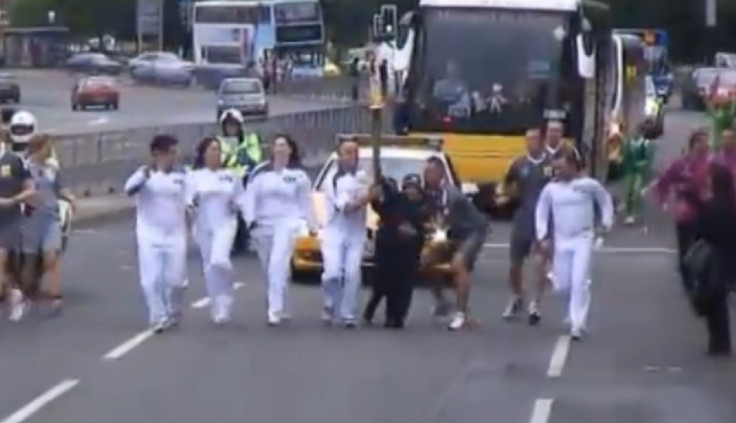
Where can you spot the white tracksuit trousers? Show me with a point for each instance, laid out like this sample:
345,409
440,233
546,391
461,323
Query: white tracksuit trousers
342,255
275,247
215,244
571,268
162,268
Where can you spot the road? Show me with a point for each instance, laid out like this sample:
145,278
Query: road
643,362
47,95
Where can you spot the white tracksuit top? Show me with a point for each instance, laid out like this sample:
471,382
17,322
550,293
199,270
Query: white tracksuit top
161,200
341,189
571,207
217,195
276,196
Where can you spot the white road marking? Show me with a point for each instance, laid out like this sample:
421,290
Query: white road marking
102,120
205,301
610,250
41,401
127,346
559,356
542,410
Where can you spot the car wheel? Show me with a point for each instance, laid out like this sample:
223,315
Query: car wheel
75,107
16,99
115,105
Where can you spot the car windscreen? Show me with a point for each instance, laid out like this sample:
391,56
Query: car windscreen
395,168
242,87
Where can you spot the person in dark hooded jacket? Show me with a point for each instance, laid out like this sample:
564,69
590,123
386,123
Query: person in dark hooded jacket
399,241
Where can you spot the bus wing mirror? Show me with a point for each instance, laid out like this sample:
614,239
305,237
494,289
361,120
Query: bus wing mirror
407,19
586,55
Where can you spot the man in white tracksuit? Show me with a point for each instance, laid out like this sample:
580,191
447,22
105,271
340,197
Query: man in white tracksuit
160,191
344,236
570,201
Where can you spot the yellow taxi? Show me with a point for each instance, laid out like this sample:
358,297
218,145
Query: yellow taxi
400,156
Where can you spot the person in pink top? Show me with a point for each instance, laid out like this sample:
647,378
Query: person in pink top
681,188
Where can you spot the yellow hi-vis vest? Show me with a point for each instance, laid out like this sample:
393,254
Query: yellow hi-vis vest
248,147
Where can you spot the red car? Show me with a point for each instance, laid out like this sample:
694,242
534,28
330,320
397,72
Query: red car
95,91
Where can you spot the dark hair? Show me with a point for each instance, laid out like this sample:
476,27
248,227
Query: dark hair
722,185
695,136
163,143
202,150
435,161
6,114
295,158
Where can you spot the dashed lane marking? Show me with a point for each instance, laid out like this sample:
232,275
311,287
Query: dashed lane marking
559,357
127,346
41,401
205,301
542,410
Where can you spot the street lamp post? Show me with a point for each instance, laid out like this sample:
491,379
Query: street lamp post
711,22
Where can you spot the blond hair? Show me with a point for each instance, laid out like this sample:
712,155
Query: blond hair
38,142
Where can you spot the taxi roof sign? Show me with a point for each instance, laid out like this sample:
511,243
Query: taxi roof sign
434,143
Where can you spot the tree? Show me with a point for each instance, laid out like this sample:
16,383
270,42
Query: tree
83,17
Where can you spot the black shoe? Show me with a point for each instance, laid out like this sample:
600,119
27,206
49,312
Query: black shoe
389,324
534,318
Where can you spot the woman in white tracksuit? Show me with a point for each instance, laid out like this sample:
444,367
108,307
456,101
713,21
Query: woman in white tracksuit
570,202
216,194
277,208
160,191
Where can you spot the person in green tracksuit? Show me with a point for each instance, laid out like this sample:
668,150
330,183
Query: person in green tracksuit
721,109
638,157
241,152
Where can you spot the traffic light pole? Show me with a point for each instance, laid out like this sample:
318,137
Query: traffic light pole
710,33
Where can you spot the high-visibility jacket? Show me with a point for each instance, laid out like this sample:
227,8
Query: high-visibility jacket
243,156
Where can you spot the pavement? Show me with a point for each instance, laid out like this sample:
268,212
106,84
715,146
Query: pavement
644,360
47,94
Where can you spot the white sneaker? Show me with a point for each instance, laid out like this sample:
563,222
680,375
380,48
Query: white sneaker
160,327
328,315
514,308
457,322
630,220
17,305
274,319
576,334
535,315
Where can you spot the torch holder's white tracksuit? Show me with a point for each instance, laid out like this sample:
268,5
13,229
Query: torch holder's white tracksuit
161,232
277,206
216,196
571,207
343,241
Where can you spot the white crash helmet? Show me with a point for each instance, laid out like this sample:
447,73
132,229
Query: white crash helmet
23,126
232,114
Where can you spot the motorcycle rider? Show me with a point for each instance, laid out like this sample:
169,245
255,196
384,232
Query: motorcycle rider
241,152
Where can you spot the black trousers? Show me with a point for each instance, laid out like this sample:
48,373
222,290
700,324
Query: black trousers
394,281
718,323
685,239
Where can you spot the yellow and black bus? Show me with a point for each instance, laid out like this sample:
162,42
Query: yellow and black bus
482,72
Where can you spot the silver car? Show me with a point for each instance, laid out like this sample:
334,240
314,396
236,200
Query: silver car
243,94
161,68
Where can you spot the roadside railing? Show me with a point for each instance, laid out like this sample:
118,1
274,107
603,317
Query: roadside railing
98,163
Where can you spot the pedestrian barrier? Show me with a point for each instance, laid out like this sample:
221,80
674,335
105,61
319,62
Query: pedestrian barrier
328,87
98,163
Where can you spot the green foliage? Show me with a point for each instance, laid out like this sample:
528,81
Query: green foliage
83,17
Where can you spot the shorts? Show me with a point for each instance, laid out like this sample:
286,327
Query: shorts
521,247
10,236
40,236
470,247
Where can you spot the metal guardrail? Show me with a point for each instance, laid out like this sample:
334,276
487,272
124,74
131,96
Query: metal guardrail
98,163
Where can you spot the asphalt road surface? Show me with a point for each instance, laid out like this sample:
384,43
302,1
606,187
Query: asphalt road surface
47,94
644,360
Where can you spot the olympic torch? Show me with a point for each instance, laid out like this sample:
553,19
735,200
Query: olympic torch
376,108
